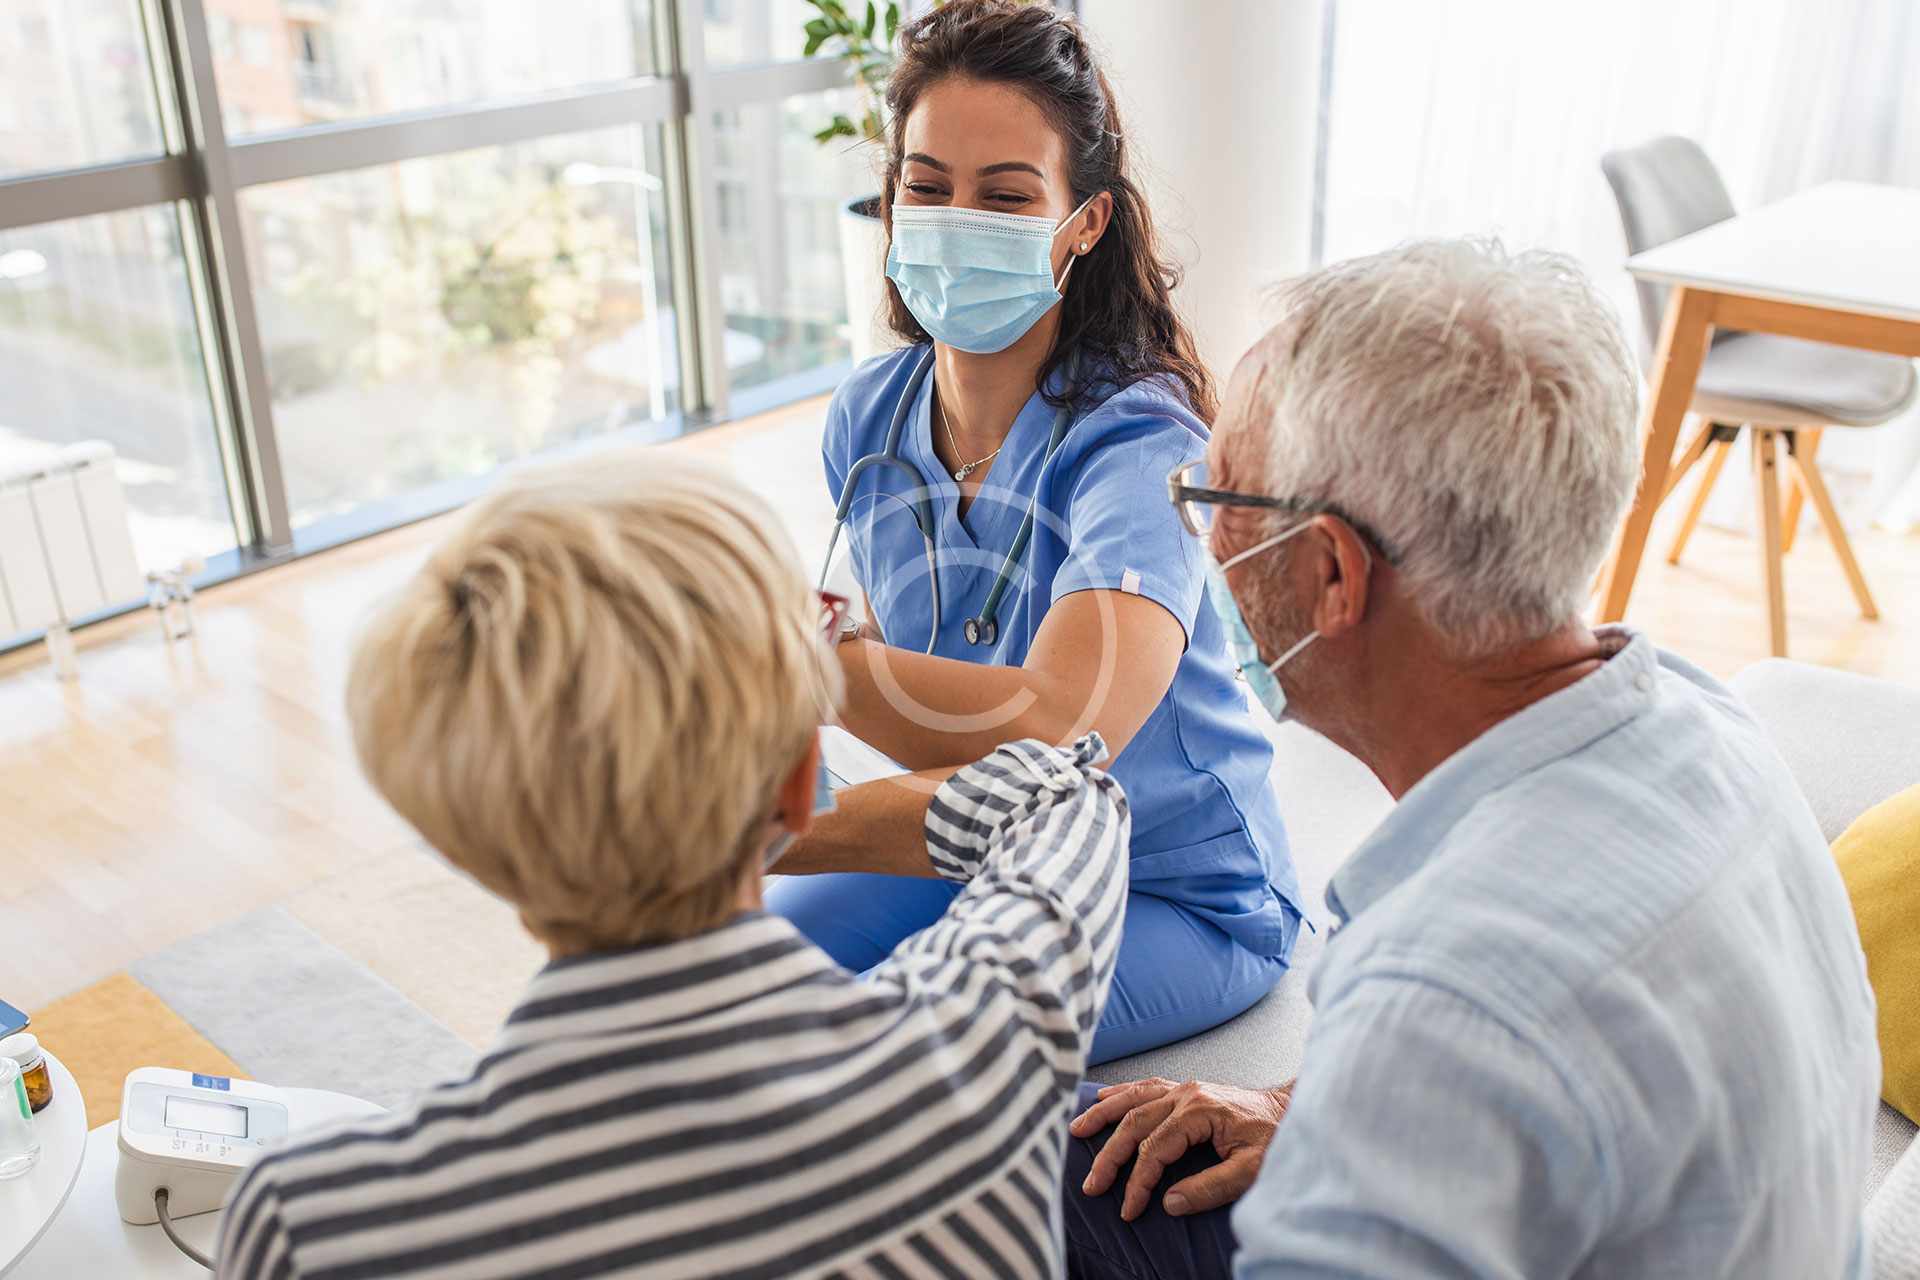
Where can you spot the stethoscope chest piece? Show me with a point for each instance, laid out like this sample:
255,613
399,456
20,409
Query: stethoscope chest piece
984,627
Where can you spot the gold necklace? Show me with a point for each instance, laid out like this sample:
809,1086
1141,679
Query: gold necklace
966,468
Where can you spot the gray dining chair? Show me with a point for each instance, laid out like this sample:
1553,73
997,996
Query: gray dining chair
1786,391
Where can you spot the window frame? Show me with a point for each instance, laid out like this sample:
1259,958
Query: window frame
202,172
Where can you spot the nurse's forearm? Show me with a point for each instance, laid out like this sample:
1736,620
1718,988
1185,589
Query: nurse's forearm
876,826
923,710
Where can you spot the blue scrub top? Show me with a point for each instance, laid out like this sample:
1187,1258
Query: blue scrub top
1207,831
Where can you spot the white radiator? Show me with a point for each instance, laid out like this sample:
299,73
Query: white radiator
65,547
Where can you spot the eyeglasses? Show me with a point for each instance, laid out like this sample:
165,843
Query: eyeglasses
1187,490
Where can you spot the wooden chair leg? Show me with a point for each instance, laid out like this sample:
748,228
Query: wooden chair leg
1673,372
1716,459
1816,490
1806,443
1766,480
1688,456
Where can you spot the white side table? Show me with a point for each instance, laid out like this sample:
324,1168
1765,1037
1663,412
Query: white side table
90,1239
29,1203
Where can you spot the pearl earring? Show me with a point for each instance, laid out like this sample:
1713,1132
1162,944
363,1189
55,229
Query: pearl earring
1083,246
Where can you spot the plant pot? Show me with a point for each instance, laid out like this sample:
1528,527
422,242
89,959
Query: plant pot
863,256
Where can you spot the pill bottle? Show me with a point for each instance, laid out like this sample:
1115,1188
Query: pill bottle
26,1052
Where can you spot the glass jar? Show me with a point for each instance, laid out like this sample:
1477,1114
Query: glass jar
19,1147
26,1052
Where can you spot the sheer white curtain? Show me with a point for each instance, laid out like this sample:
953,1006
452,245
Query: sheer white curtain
1450,117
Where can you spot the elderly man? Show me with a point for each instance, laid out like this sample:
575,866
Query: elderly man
600,698
1594,1005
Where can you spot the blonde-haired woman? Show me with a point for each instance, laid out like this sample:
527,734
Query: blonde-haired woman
600,699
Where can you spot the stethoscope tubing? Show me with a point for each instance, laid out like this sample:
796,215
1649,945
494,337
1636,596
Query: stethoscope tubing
983,627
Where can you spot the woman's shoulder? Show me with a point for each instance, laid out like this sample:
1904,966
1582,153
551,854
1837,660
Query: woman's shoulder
1147,410
873,389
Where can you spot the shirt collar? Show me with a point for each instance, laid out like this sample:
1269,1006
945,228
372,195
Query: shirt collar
663,982
1026,439
1551,729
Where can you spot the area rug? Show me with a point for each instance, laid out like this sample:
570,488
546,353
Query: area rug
293,1009
105,1031
444,943
377,982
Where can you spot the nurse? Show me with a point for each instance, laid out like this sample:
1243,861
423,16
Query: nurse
1046,371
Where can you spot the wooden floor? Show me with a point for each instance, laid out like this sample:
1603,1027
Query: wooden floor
173,787
1712,606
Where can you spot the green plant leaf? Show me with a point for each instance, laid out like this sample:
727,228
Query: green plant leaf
819,31
873,20
840,128
893,20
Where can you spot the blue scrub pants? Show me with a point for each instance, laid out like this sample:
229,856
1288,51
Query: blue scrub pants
1178,974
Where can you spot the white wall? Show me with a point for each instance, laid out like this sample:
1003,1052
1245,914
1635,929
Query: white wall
1219,99
1454,117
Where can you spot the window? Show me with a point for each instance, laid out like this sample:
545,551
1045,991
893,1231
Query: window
778,235
359,58
256,45
220,37
432,320
98,342
767,31
429,238
74,88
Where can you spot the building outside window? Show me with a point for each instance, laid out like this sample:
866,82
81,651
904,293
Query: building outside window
411,242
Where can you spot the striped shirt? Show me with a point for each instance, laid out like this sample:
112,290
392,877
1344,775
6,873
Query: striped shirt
735,1104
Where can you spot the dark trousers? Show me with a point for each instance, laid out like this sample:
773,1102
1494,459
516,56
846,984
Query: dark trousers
1153,1246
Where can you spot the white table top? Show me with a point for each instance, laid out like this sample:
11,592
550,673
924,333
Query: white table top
29,1203
89,1239
1849,246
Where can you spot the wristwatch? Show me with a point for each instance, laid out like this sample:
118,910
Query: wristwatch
849,630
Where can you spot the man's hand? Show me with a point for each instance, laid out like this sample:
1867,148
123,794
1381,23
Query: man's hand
1162,1122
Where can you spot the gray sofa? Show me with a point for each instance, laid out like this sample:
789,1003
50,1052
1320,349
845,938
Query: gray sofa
1851,742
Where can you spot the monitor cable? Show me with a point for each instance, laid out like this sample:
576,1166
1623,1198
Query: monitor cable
166,1225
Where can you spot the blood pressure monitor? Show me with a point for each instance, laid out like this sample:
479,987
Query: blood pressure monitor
192,1134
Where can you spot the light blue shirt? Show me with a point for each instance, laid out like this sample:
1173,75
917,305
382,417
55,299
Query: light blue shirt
1207,831
1596,1007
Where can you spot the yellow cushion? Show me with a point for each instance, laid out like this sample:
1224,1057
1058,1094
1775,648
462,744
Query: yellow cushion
1879,857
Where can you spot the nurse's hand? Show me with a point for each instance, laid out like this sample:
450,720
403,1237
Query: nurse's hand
1160,1121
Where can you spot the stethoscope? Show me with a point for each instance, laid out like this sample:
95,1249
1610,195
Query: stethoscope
983,627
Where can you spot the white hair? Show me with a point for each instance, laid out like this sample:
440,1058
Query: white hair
1473,409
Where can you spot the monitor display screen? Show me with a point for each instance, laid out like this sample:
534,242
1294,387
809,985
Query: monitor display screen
220,1118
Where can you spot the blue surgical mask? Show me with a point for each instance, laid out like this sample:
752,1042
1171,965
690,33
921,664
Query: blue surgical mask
1260,676
976,280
